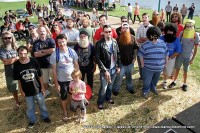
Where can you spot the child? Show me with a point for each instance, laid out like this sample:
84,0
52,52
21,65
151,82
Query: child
78,89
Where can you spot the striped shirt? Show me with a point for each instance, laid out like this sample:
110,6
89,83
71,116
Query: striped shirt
154,55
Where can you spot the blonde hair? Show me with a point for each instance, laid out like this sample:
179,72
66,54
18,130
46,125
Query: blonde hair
76,72
13,43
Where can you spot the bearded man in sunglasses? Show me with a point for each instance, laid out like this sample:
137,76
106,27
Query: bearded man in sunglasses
124,20
8,55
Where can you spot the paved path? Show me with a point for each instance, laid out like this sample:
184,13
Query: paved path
113,21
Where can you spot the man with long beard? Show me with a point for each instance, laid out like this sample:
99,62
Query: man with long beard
155,19
174,47
189,40
128,50
86,54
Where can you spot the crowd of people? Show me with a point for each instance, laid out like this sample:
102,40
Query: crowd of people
70,49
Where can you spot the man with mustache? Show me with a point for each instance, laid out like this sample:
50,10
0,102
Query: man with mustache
29,75
174,47
42,49
155,19
189,40
71,33
128,50
124,20
8,55
86,55
86,27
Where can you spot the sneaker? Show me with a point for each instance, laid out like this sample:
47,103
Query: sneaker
155,92
184,87
115,93
100,106
83,119
164,85
47,120
172,84
47,93
111,101
145,95
132,91
31,125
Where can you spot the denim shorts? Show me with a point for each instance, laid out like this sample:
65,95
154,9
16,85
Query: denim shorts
181,60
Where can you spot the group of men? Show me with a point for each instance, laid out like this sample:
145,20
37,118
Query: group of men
114,51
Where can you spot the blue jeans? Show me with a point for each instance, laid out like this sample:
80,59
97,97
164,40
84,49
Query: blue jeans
150,80
127,71
106,88
30,112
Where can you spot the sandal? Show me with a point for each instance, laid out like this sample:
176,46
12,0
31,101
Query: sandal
65,118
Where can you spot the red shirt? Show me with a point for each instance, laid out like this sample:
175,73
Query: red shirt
180,28
98,34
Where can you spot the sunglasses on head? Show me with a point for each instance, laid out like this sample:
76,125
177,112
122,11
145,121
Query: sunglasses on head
6,38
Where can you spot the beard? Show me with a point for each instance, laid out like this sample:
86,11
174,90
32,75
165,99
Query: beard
83,43
125,38
155,20
169,38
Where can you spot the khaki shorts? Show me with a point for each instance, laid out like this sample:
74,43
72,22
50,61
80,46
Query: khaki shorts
46,74
169,67
12,84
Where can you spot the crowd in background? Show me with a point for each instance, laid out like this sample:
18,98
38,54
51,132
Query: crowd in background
70,45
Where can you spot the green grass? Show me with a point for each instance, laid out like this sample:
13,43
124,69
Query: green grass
5,6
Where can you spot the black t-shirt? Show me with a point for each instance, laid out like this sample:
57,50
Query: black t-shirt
42,45
85,55
28,74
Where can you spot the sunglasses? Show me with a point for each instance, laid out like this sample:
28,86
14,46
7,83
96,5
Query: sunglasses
107,31
6,38
155,14
55,25
124,21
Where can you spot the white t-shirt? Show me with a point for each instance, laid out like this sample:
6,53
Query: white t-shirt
110,48
130,9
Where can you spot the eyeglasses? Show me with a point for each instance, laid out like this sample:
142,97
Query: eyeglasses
107,31
124,21
155,14
55,25
6,38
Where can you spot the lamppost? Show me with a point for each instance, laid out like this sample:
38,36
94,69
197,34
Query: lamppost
159,6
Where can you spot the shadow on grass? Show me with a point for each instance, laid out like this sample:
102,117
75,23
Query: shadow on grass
139,119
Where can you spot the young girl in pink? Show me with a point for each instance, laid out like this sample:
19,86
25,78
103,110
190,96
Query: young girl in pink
78,89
